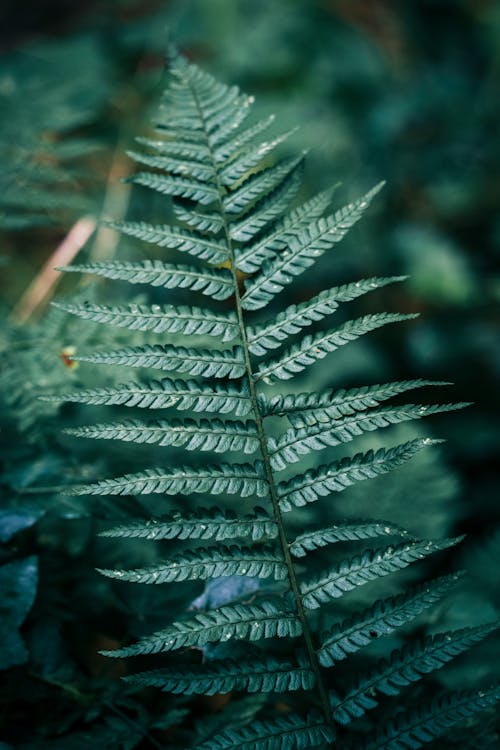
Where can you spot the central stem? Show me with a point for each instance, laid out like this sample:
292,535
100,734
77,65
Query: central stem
285,547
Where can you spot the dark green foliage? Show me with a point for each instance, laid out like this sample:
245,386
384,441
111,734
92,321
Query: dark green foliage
234,210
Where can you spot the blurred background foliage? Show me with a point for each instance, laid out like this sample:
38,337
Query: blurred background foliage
406,92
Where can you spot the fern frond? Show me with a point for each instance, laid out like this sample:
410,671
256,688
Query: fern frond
346,532
232,146
212,562
290,732
206,222
200,170
198,151
315,483
162,394
302,252
315,347
257,187
194,321
304,409
215,283
405,667
214,523
241,165
268,619
243,479
209,249
268,675
296,317
205,362
417,727
179,187
250,259
297,442
266,210
383,618
367,567
207,435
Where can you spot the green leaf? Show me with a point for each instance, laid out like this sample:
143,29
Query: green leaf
315,483
205,362
195,151
207,435
204,221
345,532
381,619
177,186
200,170
268,619
242,479
217,284
162,235
234,145
304,409
302,252
250,259
289,732
421,725
258,186
189,321
213,523
267,210
406,666
242,165
297,442
212,562
317,346
296,317
268,675
367,567
162,394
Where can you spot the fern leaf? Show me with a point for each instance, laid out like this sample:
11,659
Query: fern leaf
242,479
212,562
346,532
290,732
367,567
315,347
315,483
189,321
258,186
265,211
197,151
296,317
302,252
205,362
185,167
250,259
204,221
268,675
219,525
162,394
381,619
268,619
295,443
213,283
233,146
417,727
162,235
207,435
181,187
305,409
241,166
405,667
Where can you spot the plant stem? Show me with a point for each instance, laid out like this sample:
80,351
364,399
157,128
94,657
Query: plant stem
285,547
